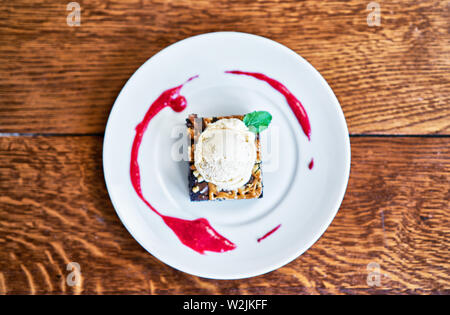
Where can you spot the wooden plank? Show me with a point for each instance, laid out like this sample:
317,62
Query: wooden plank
391,79
54,209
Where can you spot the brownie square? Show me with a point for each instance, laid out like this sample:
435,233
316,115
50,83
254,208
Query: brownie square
199,189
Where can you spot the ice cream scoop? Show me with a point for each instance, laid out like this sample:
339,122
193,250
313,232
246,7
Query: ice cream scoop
225,153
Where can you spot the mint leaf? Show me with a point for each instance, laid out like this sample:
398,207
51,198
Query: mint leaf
257,121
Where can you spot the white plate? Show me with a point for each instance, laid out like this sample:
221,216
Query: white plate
303,201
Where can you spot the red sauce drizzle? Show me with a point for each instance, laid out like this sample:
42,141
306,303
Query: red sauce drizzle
269,233
293,102
295,105
197,234
311,164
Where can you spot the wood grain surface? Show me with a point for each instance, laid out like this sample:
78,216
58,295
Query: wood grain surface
59,79
58,84
57,211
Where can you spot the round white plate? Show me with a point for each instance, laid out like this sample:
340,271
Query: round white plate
303,201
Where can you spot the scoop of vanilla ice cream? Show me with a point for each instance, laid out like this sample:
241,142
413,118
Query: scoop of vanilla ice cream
225,153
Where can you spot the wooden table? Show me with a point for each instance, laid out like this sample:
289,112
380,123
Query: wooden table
57,86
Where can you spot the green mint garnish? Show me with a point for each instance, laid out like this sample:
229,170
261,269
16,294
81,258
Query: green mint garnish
257,121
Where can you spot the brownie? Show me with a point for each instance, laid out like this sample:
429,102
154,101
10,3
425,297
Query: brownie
199,189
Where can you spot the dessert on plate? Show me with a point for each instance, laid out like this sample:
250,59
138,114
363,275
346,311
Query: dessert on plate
225,156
